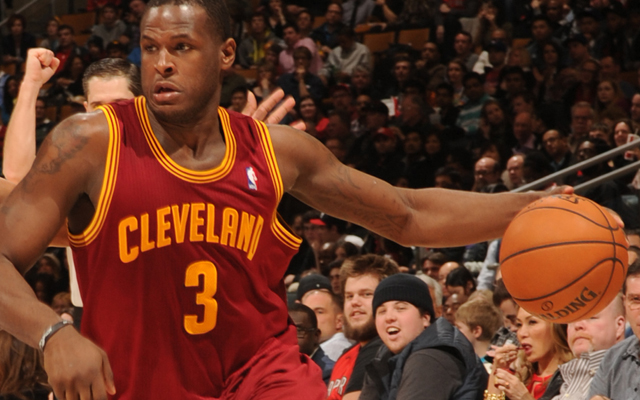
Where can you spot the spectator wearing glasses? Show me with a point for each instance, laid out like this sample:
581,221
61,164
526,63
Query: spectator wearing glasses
619,374
309,338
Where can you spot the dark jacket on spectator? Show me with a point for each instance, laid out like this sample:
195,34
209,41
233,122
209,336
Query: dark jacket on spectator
386,372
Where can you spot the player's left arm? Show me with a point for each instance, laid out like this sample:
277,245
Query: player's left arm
425,217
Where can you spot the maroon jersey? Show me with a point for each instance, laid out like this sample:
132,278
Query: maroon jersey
181,271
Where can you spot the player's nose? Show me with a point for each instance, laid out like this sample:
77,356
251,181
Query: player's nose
164,63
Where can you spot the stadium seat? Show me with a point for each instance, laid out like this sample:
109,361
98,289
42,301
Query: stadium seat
249,74
82,38
519,43
319,20
378,42
81,23
630,76
413,37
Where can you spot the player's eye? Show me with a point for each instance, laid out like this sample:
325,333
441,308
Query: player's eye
183,47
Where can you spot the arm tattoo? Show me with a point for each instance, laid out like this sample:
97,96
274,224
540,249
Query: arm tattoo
67,147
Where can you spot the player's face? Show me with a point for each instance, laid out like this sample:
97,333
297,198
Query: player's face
182,56
328,319
358,296
104,91
534,334
599,332
398,323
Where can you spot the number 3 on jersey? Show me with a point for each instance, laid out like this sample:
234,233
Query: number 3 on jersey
204,298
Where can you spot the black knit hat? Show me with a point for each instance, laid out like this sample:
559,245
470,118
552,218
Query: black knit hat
404,287
312,282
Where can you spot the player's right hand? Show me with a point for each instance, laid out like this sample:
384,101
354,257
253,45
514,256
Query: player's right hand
41,65
77,368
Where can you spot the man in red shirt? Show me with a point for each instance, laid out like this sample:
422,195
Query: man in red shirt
359,278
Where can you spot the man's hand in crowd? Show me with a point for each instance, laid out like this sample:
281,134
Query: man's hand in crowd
267,111
40,66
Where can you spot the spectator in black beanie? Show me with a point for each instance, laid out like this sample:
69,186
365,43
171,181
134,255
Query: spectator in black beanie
422,357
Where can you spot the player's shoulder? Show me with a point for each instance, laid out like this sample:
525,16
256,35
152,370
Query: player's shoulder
87,131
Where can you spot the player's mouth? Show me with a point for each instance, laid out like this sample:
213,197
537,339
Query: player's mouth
165,92
528,349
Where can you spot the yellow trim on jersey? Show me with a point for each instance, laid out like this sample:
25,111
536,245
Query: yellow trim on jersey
208,176
277,227
108,182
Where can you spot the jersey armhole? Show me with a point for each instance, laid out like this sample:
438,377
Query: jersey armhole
89,234
279,228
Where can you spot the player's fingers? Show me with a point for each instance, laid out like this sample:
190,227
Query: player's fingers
279,113
251,105
70,394
268,104
108,375
98,390
85,394
299,125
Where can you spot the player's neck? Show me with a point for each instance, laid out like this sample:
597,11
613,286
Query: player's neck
199,139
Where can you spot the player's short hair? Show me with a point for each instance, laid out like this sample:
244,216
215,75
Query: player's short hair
299,307
482,313
373,264
216,10
111,68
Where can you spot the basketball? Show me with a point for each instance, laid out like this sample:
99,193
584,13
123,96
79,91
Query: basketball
563,258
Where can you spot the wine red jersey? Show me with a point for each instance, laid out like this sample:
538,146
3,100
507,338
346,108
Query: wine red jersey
180,270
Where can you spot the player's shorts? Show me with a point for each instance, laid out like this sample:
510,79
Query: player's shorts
278,371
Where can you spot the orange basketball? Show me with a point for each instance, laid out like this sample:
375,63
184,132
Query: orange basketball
563,258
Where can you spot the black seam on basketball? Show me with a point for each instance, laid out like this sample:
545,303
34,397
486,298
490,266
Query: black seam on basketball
570,283
573,212
555,245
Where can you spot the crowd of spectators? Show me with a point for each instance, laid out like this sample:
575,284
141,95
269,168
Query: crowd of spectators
502,93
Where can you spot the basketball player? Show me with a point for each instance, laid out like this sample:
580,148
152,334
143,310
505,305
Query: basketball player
171,212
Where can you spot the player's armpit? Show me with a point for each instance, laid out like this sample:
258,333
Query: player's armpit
425,217
5,188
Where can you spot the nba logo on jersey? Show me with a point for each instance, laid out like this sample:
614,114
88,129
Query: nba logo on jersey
252,179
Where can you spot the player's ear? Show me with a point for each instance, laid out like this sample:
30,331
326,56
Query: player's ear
227,53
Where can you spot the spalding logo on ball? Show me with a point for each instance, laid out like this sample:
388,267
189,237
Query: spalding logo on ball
563,258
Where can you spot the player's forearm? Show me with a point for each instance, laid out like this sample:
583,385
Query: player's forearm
21,314
20,139
445,218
